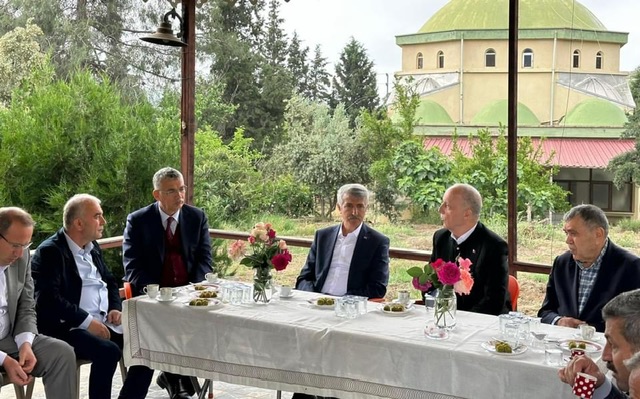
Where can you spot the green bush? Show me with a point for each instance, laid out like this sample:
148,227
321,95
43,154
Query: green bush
629,225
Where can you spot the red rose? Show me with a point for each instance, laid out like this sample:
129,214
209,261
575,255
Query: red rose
281,260
271,234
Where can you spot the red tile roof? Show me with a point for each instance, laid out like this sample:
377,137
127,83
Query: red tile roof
569,153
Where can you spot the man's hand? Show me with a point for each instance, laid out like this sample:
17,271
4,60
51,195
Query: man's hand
26,358
569,322
98,329
580,364
15,372
115,317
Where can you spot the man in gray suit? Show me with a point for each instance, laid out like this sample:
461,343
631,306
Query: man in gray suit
24,353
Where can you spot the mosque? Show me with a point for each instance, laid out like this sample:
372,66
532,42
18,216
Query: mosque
571,91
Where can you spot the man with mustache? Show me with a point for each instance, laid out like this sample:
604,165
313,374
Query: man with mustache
351,258
622,331
589,274
633,365
77,297
348,259
465,236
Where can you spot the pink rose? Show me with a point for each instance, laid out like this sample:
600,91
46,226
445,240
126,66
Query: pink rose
465,264
251,239
465,284
422,287
448,273
237,249
282,245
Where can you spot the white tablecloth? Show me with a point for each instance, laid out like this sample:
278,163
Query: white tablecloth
294,346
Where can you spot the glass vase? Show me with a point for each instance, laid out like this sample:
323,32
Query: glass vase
444,311
262,285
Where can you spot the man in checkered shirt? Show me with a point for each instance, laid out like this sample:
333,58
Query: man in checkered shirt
593,271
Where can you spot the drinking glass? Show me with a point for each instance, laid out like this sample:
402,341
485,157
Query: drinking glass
512,333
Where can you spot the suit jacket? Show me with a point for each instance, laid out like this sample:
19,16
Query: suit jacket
369,268
58,285
22,307
488,253
619,272
143,245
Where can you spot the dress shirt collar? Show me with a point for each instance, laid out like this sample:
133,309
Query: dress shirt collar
466,235
164,216
76,249
354,233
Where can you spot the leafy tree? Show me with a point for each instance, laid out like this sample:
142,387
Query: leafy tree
318,80
320,150
20,55
354,82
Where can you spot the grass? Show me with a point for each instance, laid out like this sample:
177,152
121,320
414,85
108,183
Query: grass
537,242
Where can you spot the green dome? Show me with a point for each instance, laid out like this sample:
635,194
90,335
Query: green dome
430,112
494,14
497,112
596,112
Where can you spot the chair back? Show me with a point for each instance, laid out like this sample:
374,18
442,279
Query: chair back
514,292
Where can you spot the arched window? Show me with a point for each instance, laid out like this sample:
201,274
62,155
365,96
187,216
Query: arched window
527,58
419,61
599,60
576,59
490,58
440,59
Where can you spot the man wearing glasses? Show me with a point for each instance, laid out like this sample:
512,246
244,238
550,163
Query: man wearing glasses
167,243
23,352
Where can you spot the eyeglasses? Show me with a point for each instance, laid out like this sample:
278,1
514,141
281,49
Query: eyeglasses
173,191
15,245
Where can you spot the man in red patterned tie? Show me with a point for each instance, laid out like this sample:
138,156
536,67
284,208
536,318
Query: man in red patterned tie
167,243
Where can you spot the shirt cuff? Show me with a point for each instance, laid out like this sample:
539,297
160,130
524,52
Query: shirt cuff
2,357
603,390
555,320
24,337
85,324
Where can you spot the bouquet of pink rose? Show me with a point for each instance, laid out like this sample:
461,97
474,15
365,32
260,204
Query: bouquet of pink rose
267,252
440,274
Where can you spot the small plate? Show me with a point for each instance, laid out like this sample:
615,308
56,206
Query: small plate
196,294
173,298
490,347
590,346
578,337
287,296
314,302
406,310
213,303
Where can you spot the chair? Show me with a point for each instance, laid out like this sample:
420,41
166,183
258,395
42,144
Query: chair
18,389
514,292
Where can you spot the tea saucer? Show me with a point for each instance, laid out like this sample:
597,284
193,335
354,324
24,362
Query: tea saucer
287,296
173,298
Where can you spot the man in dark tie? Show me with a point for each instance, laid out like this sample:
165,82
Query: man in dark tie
167,243
465,236
77,297
24,353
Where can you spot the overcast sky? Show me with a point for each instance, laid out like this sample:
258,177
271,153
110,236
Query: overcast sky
375,23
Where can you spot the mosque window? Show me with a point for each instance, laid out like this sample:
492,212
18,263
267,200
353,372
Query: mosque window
440,59
527,58
419,61
490,58
576,59
599,60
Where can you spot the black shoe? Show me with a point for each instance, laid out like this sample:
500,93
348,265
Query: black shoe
186,385
175,390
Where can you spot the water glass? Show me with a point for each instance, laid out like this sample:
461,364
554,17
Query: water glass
512,333
361,302
247,293
504,319
553,355
339,308
351,308
429,303
225,291
235,294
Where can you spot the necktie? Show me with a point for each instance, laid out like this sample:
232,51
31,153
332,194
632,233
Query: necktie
168,231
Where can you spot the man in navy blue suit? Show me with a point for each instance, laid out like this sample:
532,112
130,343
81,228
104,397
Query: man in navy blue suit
589,274
167,243
348,259
351,258
77,297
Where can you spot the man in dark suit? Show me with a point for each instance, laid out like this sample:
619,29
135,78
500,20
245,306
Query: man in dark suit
167,243
464,236
77,297
589,274
23,352
348,259
351,258
622,331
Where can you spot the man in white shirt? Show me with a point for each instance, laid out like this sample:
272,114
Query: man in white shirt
622,331
23,352
351,258
77,297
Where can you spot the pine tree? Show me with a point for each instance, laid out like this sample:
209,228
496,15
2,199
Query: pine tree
318,80
298,64
354,82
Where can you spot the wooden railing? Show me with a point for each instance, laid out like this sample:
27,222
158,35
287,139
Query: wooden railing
395,253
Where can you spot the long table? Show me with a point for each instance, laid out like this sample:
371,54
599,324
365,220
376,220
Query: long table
291,345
